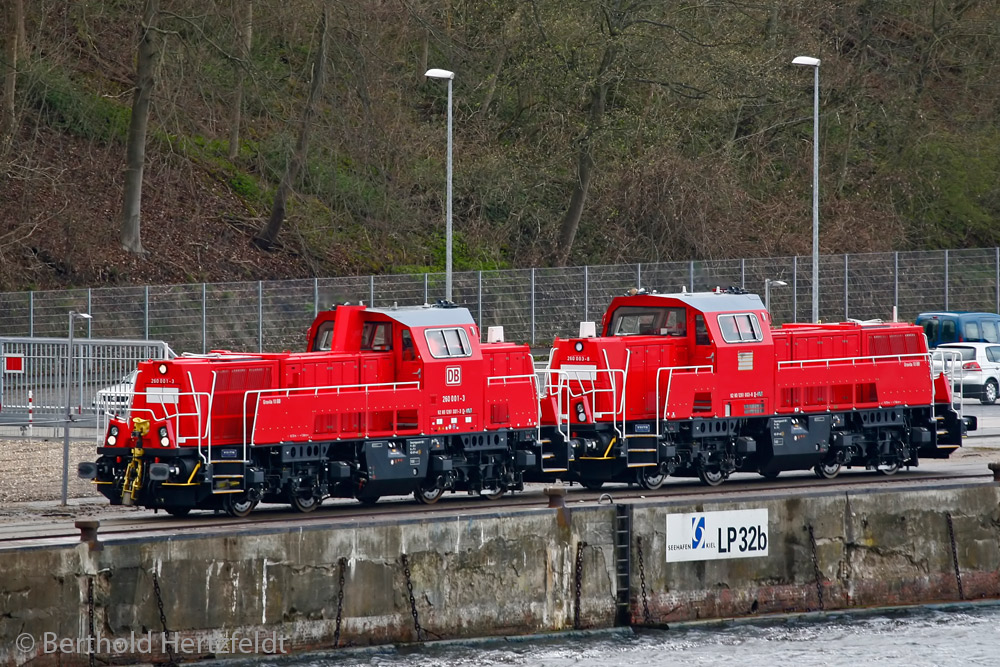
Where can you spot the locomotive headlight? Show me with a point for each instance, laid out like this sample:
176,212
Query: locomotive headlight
164,440
162,368
112,440
579,346
114,430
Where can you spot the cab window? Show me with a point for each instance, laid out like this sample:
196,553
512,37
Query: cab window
701,331
740,328
324,338
444,343
407,345
375,336
645,321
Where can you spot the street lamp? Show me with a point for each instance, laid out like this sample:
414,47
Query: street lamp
445,74
814,63
69,382
767,292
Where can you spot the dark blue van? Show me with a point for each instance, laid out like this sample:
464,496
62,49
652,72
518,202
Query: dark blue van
958,327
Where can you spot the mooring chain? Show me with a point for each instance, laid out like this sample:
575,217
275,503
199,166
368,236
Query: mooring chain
642,582
340,603
954,557
90,613
579,583
413,601
163,620
816,571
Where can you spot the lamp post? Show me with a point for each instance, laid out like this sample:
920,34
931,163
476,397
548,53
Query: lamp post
767,292
814,63
69,387
450,76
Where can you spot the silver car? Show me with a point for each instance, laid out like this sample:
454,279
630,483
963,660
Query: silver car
117,398
973,367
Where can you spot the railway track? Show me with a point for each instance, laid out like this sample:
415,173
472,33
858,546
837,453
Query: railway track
143,523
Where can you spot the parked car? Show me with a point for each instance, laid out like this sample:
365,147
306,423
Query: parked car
975,367
116,398
959,327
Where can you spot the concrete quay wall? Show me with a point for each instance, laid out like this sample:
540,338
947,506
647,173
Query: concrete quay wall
485,574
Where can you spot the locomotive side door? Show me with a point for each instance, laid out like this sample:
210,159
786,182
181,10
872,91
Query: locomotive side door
703,351
410,367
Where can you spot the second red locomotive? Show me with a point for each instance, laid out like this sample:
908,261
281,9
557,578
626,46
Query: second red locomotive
408,400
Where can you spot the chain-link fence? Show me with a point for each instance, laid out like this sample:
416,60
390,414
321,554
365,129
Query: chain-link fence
533,305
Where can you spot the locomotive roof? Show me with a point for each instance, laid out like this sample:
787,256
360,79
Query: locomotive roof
426,316
714,302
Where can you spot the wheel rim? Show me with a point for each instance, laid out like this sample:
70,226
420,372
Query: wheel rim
889,468
991,392
828,470
303,503
239,507
651,481
428,496
493,494
711,477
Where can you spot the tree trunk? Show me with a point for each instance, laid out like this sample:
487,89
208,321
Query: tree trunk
244,39
11,19
135,150
585,162
266,237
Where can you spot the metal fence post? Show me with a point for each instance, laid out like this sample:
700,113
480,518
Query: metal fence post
846,294
315,297
204,320
586,294
371,291
145,310
31,314
743,273
479,300
532,306
946,280
638,276
691,275
260,315
90,321
795,288
425,289
895,280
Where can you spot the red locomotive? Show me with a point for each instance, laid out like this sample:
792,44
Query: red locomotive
408,400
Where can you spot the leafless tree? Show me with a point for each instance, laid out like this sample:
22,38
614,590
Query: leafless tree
12,32
135,150
244,40
269,233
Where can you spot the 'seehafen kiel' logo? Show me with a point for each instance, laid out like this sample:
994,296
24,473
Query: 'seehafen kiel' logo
698,532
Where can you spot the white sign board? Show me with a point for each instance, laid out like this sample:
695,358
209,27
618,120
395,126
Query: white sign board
716,535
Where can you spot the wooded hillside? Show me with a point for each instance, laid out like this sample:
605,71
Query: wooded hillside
300,138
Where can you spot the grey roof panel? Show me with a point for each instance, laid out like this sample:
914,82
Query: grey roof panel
717,302
427,316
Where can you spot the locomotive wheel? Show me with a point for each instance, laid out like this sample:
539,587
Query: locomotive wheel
651,478
178,511
711,477
301,503
889,468
493,494
592,484
238,505
428,495
827,470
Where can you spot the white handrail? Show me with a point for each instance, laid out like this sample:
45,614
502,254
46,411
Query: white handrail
695,370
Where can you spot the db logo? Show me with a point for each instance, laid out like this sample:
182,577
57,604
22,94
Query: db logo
453,375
